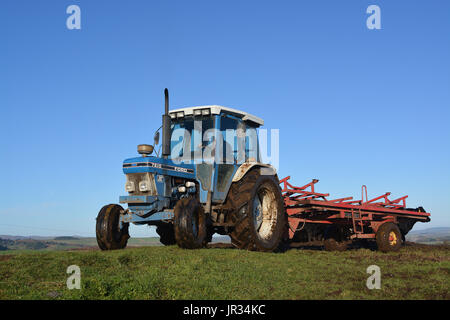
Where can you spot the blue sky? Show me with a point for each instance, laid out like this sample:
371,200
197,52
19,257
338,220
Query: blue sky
354,106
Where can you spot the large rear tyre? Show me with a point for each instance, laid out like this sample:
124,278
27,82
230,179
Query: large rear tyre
389,237
166,234
335,239
257,212
190,224
109,236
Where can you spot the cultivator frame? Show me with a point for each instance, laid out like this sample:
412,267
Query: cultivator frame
362,217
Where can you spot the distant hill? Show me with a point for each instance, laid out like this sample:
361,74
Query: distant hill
66,238
432,230
64,243
435,235
8,237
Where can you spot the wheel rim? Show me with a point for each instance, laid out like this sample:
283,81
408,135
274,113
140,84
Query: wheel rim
393,238
265,212
257,213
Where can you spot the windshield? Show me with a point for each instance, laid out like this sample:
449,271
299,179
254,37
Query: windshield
188,137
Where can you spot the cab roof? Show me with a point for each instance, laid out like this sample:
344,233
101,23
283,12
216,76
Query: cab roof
216,110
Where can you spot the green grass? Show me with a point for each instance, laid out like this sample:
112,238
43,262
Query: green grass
415,272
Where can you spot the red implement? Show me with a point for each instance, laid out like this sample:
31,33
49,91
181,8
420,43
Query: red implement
361,217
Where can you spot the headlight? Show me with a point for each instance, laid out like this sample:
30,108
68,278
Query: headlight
144,186
129,186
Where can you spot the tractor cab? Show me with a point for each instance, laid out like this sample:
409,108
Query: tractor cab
216,141
216,133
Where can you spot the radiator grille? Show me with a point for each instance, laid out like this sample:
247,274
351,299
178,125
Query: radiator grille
138,177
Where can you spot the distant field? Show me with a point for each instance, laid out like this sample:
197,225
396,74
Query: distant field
22,244
66,243
132,242
156,272
430,236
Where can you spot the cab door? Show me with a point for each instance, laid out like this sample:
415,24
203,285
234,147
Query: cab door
229,156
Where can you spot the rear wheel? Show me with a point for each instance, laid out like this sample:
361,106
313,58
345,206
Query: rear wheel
389,237
109,235
166,234
190,224
257,212
335,239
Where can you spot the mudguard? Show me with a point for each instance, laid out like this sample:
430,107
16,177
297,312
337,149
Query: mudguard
267,169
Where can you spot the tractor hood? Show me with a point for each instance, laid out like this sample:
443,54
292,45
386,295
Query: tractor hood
159,166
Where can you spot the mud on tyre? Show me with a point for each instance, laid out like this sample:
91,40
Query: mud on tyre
109,237
389,237
257,212
190,224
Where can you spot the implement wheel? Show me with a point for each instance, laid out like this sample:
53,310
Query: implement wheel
109,236
190,224
334,239
257,212
389,237
166,234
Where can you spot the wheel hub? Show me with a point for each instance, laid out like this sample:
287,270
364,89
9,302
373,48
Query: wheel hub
257,213
392,238
265,211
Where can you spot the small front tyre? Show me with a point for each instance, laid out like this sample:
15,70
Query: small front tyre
109,235
190,224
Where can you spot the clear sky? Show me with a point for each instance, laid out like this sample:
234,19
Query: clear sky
354,106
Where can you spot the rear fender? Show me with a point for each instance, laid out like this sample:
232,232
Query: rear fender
266,169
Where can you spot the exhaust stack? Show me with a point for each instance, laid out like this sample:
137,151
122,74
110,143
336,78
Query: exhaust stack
166,127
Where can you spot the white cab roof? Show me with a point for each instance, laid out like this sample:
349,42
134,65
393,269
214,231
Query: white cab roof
217,110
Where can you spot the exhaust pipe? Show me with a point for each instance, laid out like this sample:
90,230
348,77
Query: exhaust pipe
166,127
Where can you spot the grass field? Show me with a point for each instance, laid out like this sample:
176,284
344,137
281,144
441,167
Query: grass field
416,272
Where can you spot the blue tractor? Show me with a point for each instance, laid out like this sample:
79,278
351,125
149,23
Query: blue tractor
208,179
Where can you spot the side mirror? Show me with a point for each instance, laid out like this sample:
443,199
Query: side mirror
156,138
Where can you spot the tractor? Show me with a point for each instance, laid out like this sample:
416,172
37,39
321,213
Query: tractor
208,179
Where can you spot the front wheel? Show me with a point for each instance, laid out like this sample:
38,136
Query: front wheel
109,235
190,224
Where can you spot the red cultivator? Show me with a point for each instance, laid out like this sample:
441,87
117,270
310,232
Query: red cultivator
312,216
